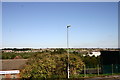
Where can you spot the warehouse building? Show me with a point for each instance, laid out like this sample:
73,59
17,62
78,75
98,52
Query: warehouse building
110,61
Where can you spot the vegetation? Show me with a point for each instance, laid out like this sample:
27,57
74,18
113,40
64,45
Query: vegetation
59,51
15,49
91,61
93,75
46,65
12,55
54,63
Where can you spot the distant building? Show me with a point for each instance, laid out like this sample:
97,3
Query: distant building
95,54
11,68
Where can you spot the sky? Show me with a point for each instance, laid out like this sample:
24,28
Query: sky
60,0
119,25
0,25
43,24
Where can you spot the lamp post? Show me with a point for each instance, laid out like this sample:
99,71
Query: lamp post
68,70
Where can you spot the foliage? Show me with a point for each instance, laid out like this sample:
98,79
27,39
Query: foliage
12,55
16,49
46,65
91,61
58,51
82,76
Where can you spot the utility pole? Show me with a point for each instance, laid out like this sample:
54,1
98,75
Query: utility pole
68,70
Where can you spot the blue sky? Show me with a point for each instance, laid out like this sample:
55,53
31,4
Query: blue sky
0,25
43,24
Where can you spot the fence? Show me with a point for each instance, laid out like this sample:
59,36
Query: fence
113,68
89,70
104,69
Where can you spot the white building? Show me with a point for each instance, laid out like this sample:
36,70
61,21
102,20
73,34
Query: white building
95,54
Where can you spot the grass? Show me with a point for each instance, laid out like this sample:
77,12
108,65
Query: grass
92,75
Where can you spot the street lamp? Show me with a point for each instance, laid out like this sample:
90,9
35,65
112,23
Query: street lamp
68,70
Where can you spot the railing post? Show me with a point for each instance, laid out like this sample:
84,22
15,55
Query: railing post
98,69
84,71
112,69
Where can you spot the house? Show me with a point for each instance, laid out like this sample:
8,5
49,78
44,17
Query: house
95,54
10,68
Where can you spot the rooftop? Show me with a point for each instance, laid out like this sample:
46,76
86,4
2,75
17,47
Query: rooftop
13,64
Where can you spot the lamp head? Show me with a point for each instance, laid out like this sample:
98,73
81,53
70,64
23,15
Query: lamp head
68,26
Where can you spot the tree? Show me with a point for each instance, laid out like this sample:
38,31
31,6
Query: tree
91,61
17,57
59,51
46,65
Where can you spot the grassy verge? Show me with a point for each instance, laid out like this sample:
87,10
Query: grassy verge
92,75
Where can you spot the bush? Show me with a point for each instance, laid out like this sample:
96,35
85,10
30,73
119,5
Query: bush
46,65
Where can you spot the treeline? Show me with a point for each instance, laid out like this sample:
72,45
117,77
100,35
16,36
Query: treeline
16,49
12,55
90,61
